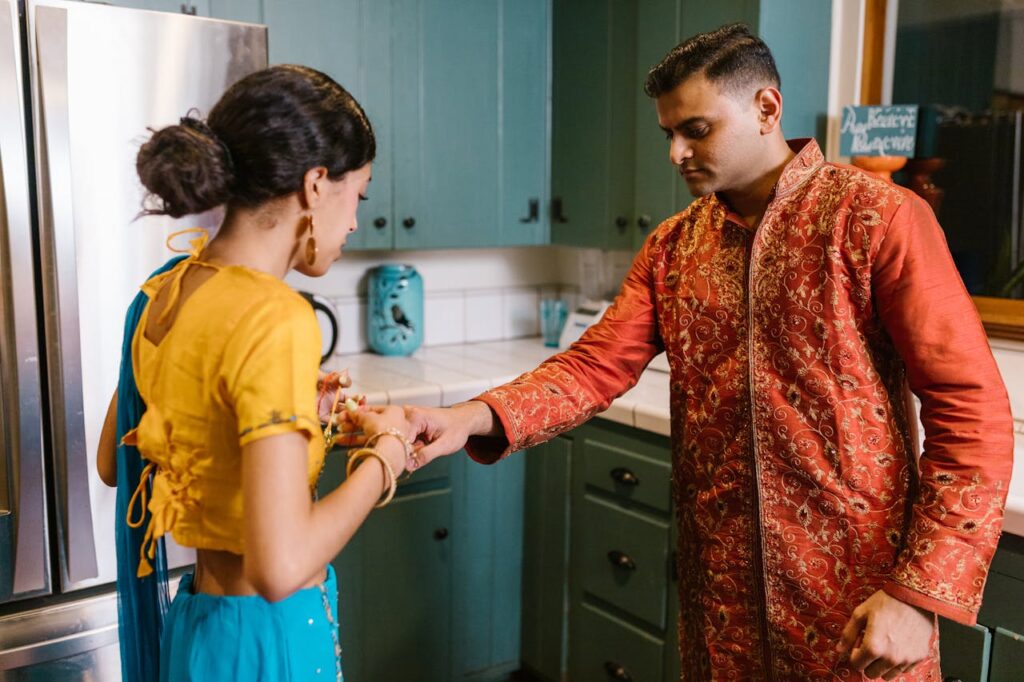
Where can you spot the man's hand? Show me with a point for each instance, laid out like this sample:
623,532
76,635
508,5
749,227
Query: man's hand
886,637
444,430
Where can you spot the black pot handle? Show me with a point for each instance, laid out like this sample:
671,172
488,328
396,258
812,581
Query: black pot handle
319,305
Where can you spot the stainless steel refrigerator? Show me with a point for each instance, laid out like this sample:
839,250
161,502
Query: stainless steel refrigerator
80,83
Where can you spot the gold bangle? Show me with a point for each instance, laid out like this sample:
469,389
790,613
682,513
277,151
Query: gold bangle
391,481
406,445
392,431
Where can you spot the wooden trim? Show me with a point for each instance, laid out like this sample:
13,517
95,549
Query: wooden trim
874,52
1003,317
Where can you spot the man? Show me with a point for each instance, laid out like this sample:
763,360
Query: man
796,299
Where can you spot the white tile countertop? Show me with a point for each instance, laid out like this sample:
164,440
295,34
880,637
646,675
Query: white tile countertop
443,375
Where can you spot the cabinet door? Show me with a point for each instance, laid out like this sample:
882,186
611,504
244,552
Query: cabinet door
349,41
405,590
546,559
593,114
250,11
487,565
1007,656
802,64
525,131
657,181
199,7
394,582
446,129
964,651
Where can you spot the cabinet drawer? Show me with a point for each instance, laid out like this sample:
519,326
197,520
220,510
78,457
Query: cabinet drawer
964,651
628,476
623,559
606,649
1001,602
1007,654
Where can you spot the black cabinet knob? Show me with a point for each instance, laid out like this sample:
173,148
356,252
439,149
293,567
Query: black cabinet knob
621,560
624,476
440,533
557,211
409,223
380,223
644,221
621,222
533,215
617,672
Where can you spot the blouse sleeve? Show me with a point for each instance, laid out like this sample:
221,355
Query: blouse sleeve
270,370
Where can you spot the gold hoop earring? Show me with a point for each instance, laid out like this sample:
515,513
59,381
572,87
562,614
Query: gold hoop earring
311,250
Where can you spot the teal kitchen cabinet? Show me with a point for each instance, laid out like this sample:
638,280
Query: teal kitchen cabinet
470,81
525,126
458,93
350,41
599,596
429,587
592,110
250,11
621,619
545,588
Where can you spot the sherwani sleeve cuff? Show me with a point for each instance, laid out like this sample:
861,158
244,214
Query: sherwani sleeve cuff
923,601
490,449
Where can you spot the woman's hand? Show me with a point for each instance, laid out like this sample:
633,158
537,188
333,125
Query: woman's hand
378,420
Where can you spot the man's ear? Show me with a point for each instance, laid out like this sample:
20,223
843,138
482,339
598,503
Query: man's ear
314,187
769,109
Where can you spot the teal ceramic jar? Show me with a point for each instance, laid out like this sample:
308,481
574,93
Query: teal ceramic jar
394,309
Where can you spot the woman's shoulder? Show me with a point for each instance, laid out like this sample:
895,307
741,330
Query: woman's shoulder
266,300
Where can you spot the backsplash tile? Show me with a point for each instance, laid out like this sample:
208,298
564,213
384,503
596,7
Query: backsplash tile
521,313
444,318
485,316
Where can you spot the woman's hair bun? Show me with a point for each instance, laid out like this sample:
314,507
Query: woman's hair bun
185,168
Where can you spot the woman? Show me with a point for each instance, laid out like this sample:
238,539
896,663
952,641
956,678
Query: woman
225,359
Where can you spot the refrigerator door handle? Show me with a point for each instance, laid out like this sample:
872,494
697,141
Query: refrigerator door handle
58,236
24,555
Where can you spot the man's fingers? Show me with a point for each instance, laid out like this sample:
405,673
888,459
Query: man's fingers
880,668
850,633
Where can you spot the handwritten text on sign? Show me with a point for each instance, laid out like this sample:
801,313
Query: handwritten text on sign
878,131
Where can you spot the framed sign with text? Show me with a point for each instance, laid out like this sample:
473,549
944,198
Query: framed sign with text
878,131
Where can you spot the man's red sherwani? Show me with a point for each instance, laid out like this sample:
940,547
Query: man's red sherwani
796,484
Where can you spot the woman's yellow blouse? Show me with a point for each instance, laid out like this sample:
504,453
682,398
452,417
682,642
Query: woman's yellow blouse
240,363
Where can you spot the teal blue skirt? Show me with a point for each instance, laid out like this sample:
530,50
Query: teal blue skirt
211,638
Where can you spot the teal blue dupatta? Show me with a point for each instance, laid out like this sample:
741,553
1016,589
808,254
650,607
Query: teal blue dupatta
142,602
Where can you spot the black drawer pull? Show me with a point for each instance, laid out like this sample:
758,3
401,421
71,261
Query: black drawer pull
440,533
380,222
409,223
617,672
621,560
534,212
624,476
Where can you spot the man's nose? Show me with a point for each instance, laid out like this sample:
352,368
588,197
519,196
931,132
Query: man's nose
679,151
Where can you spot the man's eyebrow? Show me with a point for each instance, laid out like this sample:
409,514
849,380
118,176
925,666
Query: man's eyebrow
693,120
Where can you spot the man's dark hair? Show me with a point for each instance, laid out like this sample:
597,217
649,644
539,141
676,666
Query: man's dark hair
730,56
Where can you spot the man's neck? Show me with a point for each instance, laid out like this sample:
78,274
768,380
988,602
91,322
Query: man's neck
751,201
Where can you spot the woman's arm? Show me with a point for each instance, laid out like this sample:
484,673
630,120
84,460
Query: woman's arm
289,538
106,453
